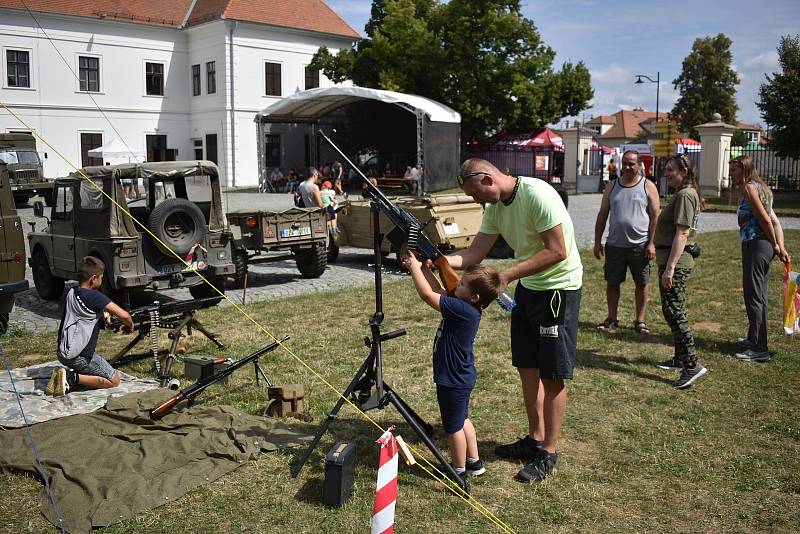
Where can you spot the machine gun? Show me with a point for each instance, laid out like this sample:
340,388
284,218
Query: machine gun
172,316
198,387
407,229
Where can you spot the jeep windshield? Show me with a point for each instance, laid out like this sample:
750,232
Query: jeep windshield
14,156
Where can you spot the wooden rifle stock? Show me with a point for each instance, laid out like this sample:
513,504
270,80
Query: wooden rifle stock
165,407
449,277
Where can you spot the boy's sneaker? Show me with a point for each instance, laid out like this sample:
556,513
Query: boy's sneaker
523,449
673,364
751,355
475,469
57,386
688,376
540,468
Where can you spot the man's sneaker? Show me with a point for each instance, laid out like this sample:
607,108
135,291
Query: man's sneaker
688,376
523,449
751,355
609,325
673,364
475,469
57,386
540,468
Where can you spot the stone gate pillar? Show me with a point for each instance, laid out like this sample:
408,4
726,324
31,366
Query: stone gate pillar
715,136
576,147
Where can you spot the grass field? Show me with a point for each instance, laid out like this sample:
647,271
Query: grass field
635,454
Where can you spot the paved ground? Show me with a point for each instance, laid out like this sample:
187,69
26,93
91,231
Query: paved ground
280,279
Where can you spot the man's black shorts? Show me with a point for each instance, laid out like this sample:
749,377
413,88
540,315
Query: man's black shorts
619,260
544,331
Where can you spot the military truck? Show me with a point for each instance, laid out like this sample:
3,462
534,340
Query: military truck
265,236
12,250
182,208
18,151
450,221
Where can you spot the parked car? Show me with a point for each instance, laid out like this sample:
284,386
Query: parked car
12,250
264,236
85,222
26,174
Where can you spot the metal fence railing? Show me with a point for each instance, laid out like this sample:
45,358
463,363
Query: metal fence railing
781,174
545,164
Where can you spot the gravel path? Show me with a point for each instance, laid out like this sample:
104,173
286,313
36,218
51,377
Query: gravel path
281,279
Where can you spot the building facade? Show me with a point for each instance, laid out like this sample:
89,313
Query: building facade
180,80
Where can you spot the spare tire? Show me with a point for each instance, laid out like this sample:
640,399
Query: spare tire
178,224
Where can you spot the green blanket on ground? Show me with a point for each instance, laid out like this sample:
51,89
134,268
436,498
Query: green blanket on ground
112,464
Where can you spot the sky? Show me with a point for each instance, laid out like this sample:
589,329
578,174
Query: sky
618,39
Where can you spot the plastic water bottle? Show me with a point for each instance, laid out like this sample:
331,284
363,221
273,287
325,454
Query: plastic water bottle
506,302
794,276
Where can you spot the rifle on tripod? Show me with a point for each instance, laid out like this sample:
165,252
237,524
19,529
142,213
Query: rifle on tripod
198,387
407,229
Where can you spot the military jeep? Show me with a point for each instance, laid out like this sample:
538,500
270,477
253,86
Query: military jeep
182,208
12,250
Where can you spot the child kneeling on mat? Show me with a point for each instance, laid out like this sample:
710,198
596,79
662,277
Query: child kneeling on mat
453,358
85,311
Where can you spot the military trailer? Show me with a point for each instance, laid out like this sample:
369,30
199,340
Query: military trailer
182,208
450,221
26,174
264,236
12,250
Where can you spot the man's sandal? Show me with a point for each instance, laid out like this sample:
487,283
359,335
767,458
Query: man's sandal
608,325
641,327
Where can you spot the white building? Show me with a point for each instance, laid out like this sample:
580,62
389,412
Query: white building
182,79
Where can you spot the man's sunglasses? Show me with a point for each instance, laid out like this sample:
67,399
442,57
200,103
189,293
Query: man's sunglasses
463,177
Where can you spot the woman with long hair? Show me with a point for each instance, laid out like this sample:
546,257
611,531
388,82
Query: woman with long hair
761,235
674,231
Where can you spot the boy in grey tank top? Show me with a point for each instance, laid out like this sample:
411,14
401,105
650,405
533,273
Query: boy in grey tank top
630,205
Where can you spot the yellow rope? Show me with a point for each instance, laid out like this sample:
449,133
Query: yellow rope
450,485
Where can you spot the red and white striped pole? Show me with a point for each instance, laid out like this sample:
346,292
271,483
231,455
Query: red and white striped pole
386,490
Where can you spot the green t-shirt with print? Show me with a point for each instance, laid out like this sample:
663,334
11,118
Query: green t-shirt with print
536,208
684,209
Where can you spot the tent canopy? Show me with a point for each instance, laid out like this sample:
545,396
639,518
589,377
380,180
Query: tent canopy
539,138
116,152
310,105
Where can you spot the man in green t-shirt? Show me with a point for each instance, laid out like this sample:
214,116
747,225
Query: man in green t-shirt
544,324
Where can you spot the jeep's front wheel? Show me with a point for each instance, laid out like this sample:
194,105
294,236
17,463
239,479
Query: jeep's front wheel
203,290
312,262
49,286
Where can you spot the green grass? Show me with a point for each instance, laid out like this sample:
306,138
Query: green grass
635,454
783,206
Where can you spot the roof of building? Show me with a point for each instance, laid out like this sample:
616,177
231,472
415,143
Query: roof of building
748,126
313,15
626,122
603,119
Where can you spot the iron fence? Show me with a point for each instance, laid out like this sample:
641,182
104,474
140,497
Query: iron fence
781,174
545,164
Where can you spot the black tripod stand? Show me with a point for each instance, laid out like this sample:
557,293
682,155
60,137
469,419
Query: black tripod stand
370,374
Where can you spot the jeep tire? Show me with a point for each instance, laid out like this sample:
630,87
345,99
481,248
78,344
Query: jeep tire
49,286
311,262
179,224
202,290
240,262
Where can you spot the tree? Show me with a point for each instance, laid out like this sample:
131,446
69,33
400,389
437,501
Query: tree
480,57
780,100
707,84
739,138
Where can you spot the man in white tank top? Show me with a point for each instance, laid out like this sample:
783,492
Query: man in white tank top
630,205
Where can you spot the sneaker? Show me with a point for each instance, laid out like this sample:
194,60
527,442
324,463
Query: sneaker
688,376
673,364
57,386
475,469
522,449
609,325
540,468
750,355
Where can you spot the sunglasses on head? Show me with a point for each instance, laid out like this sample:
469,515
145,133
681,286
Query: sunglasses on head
463,177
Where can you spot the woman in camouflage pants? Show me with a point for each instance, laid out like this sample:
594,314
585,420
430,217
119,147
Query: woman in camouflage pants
674,231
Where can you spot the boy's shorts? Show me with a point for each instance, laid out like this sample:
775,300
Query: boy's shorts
96,366
330,212
619,260
544,331
454,407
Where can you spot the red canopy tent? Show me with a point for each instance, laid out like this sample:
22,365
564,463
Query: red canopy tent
539,138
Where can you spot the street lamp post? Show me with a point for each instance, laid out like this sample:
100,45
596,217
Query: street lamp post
657,81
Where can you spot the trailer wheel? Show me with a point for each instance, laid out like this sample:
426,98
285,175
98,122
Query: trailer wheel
240,262
312,262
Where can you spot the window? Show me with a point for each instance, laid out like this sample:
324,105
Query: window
195,80
211,77
157,147
312,78
273,79
18,68
88,142
272,150
154,78
89,73
752,136
63,203
211,147
92,198
198,148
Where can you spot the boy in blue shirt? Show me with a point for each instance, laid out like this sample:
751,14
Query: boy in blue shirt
85,311
453,358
